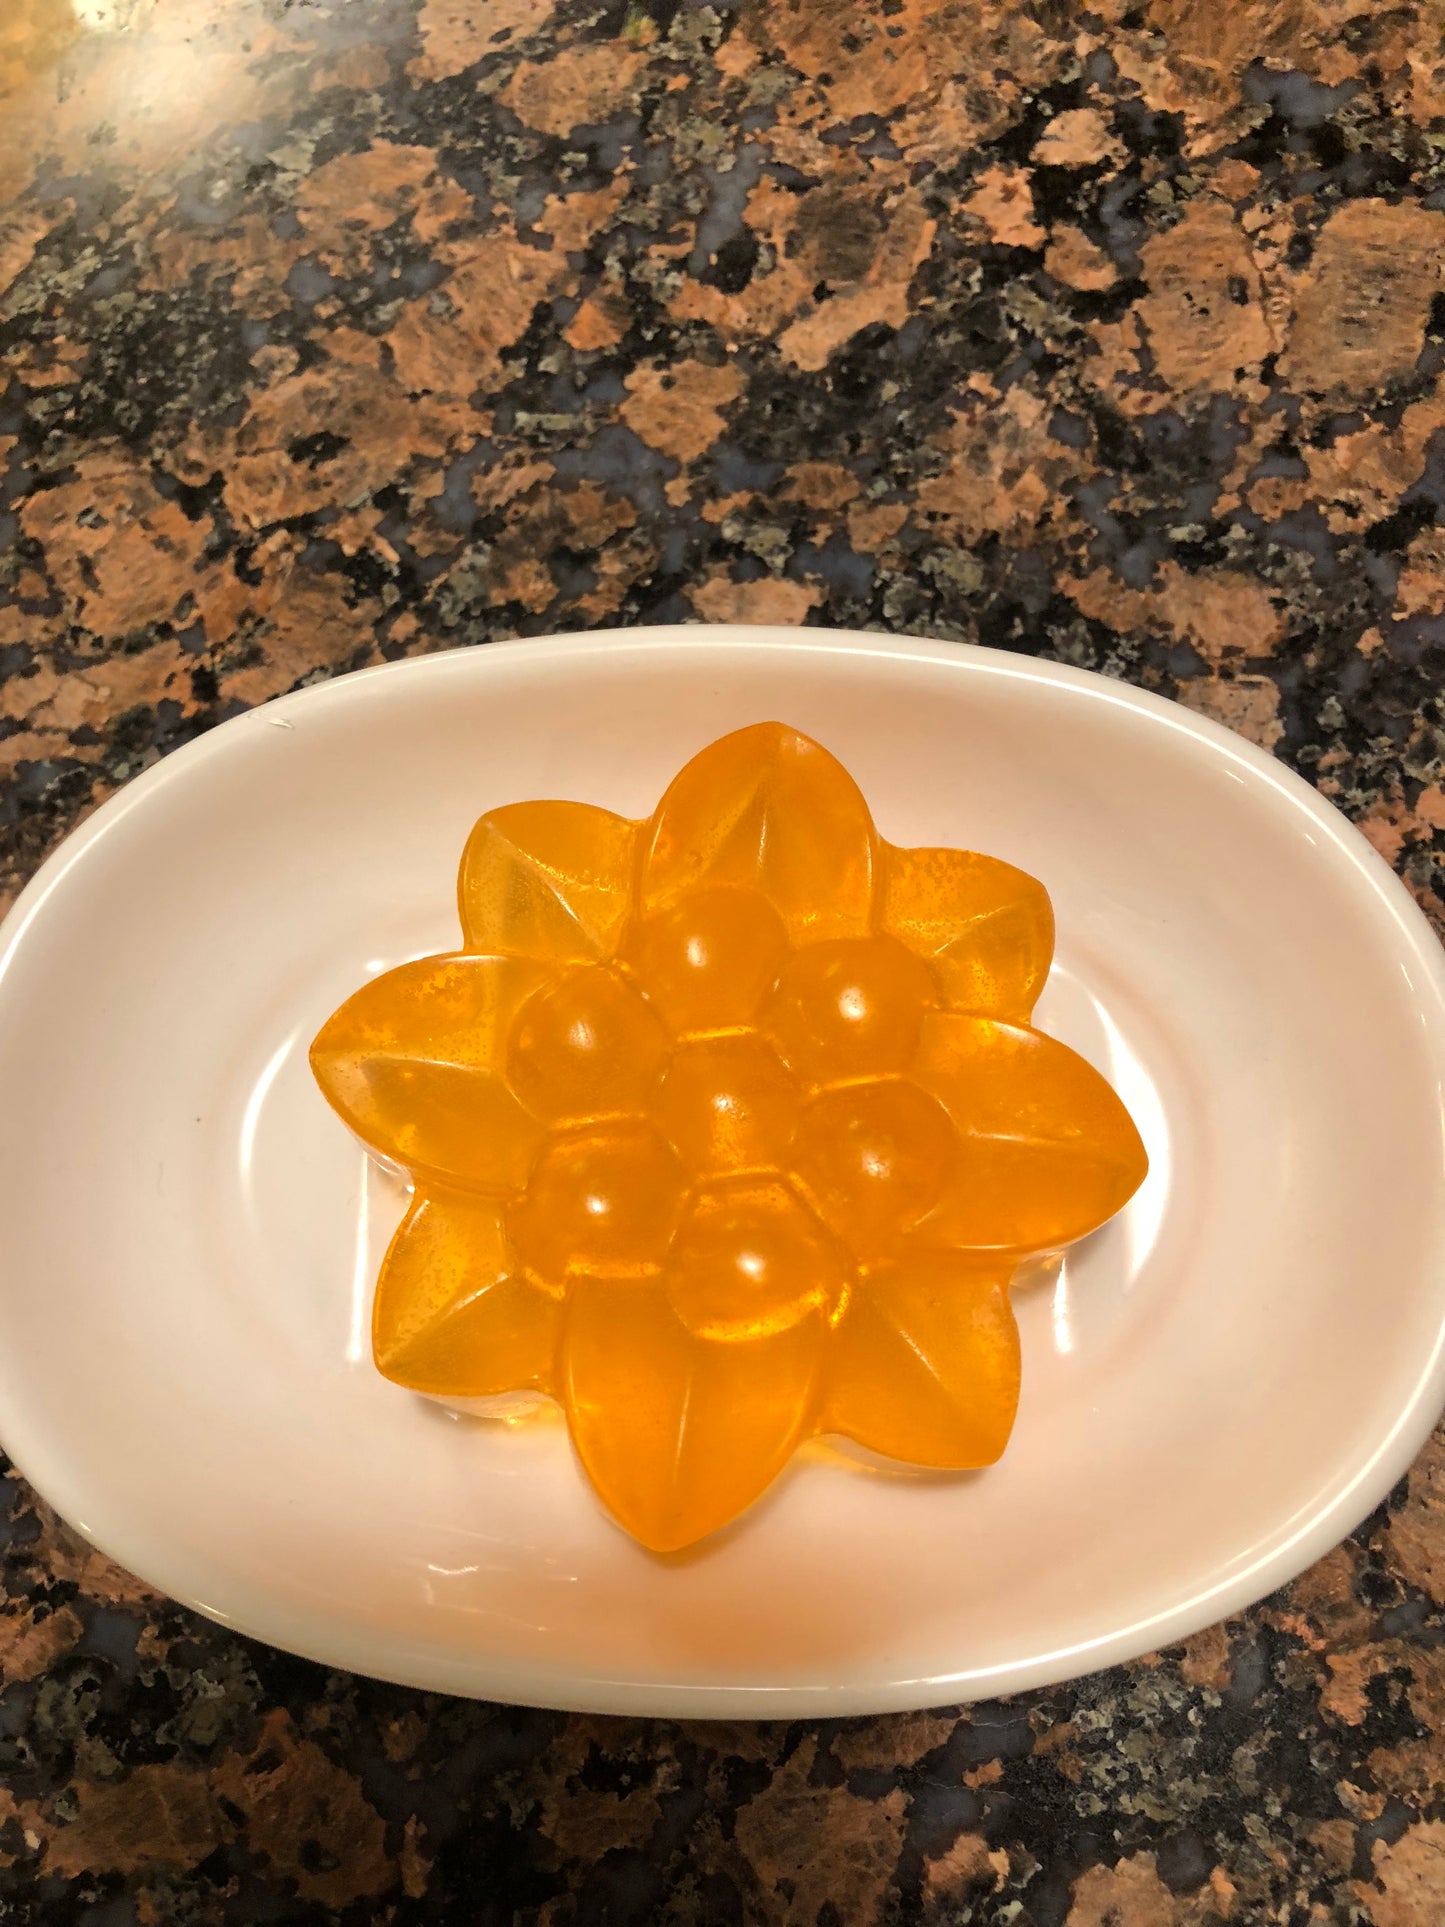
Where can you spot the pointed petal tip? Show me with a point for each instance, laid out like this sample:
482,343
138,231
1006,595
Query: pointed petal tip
1048,1151
768,808
452,1315
985,926
667,1531
771,734
678,1435
412,1062
926,1364
549,880
662,1537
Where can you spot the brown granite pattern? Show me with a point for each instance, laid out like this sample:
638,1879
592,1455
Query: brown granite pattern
337,330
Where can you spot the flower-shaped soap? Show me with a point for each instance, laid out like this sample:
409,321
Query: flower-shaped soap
726,1129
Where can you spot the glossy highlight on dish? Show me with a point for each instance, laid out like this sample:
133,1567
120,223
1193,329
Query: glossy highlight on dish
726,1128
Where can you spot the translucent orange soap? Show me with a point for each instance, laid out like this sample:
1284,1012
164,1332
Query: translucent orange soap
726,1129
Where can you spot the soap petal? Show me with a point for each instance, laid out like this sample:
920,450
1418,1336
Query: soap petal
925,1362
679,1434
413,1063
767,808
1046,1151
453,1314
547,880
986,928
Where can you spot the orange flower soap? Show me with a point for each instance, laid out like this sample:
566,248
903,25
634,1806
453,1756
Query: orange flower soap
726,1129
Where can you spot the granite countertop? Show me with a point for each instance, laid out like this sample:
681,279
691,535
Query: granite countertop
339,330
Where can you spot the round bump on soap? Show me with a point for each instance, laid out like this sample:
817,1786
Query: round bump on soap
586,1046
728,1105
751,1260
875,1157
598,1204
709,960
849,1009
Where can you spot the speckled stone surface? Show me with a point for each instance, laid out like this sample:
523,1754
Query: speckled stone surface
337,330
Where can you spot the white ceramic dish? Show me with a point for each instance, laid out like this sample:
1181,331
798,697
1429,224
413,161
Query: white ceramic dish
1220,1385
